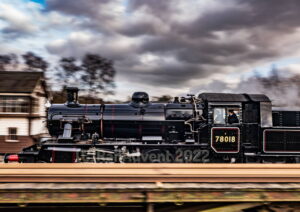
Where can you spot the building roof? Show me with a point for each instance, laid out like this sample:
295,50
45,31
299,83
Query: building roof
19,81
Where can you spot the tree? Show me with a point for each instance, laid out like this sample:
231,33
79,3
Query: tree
98,74
68,69
69,65
4,61
34,62
93,72
14,61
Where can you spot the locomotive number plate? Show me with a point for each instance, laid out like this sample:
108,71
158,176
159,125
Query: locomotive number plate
225,139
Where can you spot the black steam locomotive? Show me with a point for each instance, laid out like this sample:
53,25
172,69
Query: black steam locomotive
213,127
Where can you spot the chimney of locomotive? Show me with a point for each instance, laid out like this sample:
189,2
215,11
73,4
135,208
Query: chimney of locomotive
72,97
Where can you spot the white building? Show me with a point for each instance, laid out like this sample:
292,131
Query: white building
22,111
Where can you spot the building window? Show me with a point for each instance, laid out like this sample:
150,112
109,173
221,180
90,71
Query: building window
35,103
12,134
14,104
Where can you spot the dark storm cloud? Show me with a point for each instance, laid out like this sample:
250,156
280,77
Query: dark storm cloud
161,44
223,54
271,14
167,74
231,34
76,48
95,14
79,7
201,52
270,17
157,7
140,28
275,13
13,33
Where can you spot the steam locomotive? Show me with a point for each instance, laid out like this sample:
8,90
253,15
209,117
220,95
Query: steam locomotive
188,130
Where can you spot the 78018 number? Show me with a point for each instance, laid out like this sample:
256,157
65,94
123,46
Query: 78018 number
226,139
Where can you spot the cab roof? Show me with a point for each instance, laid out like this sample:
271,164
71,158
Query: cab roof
230,97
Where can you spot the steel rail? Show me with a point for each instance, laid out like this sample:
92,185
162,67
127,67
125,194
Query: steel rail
82,172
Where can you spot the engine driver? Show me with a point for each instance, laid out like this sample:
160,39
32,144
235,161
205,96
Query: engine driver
232,117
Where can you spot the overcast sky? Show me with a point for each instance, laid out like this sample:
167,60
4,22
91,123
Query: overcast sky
160,46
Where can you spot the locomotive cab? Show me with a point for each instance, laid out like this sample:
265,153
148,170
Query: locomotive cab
224,113
234,121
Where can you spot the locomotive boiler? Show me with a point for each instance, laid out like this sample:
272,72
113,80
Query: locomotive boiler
138,121
212,127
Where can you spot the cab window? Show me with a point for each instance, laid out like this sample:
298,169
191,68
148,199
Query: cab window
219,116
226,115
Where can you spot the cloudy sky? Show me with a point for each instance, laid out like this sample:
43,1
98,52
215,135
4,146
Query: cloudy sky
162,47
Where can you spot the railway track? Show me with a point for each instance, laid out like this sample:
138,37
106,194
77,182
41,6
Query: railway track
15,172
